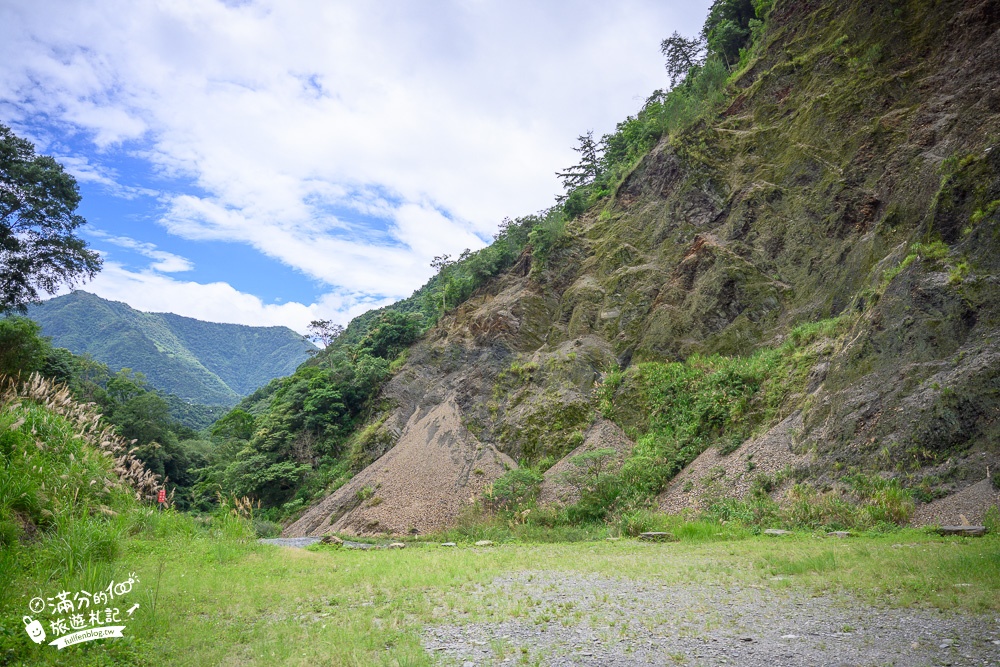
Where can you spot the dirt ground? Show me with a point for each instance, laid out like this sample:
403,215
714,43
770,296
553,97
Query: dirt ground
571,619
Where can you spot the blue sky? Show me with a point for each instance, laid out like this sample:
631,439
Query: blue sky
280,161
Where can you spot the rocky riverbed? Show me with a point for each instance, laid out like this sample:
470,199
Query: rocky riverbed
570,619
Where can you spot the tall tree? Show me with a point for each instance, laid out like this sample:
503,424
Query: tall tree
324,331
682,55
38,248
442,263
727,28
589,167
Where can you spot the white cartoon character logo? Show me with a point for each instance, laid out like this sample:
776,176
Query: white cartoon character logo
34,629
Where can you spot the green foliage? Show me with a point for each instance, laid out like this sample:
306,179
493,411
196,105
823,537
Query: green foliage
389,335
368,444
66,523
63,511
664,113
517,488
126,401
727,28
589,167
142,415
992,519
696,404
456,281
22,348
299,445
235,425
610,384
265,528
258,475
545,233
590,467
682,55
933,252
983,213
38,249
551,429
862,503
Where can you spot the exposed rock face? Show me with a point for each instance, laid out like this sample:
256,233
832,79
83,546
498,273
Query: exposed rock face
815,194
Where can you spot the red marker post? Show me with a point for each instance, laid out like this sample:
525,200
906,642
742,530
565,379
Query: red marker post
161,498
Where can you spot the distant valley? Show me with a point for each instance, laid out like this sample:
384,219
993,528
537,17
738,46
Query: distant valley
202,362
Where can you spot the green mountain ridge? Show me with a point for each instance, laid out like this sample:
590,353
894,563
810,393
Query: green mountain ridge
204,362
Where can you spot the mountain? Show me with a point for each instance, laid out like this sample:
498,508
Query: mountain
203,362
777,291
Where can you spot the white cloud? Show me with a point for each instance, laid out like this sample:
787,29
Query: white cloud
433,119
219,301
166,262
85,171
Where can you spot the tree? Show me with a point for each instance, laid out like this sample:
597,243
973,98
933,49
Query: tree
23,349
236,425
589,166
727,28
126,385
389,335
324,331
682,55
38,250
442,263
589,468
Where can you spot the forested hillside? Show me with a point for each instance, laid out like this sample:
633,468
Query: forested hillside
202,362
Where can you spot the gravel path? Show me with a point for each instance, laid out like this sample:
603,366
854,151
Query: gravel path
570,619
303,542
300,542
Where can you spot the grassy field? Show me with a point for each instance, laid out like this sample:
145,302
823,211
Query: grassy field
209,597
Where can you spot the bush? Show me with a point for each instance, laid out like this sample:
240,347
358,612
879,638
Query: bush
515,489
544,235
264,528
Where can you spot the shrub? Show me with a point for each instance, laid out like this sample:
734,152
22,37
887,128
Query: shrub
514,489
265,528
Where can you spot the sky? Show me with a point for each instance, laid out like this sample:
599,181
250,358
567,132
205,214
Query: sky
278,161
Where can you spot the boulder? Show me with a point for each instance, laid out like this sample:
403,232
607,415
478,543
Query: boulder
967,531
658,537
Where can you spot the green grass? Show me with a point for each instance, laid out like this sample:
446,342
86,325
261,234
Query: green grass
226,601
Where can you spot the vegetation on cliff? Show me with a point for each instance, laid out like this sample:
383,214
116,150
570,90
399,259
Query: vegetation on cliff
780,233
